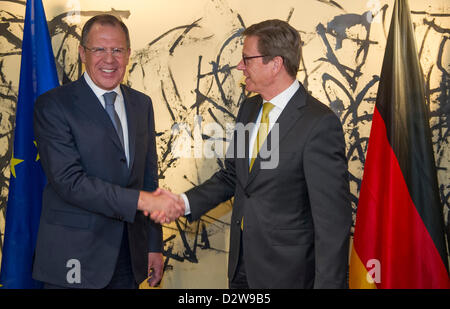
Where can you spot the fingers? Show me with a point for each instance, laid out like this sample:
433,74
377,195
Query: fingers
170,207
155,275
155,268
177,198
172,204
153,215
162,205
174,196
159,217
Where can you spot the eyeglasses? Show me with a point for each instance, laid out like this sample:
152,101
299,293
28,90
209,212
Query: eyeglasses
101,51
245,58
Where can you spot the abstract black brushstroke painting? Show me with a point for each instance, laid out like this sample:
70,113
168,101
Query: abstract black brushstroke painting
190,72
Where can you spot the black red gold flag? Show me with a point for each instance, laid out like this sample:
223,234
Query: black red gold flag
399,230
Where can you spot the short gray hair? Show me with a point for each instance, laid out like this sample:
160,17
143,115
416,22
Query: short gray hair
103,19
278,38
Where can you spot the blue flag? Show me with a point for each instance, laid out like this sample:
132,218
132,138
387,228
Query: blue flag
37,75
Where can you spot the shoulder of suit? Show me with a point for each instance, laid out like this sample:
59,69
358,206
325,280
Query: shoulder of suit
317,106
63,89
59,94
133,92
251,100
321,114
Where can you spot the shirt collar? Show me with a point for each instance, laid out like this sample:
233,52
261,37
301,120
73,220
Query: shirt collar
282,99
97,90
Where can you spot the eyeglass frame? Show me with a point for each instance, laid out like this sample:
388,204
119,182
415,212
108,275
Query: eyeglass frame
117,52
245,58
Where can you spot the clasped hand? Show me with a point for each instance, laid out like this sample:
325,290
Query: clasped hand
163,206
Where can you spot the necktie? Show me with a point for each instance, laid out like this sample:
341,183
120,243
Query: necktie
110,98
263,131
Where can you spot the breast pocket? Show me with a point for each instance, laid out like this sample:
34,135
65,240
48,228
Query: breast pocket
282,161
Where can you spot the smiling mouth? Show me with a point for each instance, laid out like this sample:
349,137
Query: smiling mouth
108,71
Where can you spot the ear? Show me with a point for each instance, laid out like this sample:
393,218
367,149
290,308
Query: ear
128,55
277,64
82,53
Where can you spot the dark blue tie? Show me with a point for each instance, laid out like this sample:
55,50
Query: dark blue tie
110,98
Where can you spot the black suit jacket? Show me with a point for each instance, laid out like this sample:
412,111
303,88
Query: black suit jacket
91,192
297,216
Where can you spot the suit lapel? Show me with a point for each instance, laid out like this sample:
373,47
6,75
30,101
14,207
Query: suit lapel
288,118
243,163
86,100
131,111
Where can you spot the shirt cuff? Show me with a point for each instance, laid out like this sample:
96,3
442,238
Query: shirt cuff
186,204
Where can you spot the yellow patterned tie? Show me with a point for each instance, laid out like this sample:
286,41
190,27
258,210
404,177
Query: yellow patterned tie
263,130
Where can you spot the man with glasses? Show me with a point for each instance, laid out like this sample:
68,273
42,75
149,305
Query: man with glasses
291,221
96,140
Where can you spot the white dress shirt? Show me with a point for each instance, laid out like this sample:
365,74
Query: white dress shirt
119,106
280,101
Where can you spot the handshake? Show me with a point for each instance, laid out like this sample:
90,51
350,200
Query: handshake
163,206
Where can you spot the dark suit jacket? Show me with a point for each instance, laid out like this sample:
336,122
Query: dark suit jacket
91,192
297,216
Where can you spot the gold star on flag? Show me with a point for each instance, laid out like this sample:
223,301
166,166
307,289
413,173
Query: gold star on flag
14,162
37,157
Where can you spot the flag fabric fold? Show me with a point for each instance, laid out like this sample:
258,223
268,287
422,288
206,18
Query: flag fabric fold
37,75
399,230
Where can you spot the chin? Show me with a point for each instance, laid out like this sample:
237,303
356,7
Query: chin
249,88
109,85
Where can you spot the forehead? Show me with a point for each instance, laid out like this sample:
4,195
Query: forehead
250,45
106,32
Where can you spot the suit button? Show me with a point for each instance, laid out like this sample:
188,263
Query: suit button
238,222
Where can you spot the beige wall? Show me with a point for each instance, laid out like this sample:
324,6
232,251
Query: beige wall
185,52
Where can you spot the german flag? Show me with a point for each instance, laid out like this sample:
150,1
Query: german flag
399,233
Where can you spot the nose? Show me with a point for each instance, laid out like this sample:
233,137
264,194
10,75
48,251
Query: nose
108,57
241,65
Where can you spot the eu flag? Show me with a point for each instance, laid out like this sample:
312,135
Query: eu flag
37,75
